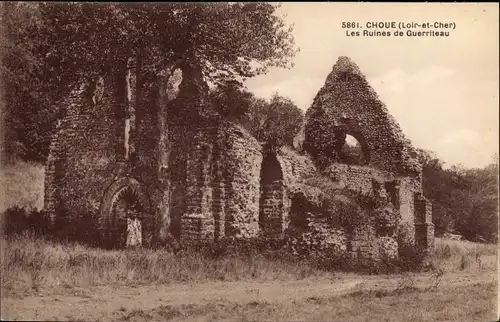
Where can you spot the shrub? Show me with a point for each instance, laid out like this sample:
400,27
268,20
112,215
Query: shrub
18,220
410,258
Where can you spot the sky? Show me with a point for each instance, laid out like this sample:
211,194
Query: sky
443,91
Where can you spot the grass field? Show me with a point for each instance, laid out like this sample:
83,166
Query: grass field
43,280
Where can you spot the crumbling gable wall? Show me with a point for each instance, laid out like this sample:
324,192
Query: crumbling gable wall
347,105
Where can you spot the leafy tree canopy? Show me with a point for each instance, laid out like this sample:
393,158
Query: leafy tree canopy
463,200
48,46
276,122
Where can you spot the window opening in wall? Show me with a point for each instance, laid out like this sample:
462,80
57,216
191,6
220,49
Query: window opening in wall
98,90
351,152
393,191
344,77
384,230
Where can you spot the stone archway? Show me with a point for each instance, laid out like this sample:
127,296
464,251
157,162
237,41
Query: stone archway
272,195
352,152
125,215
351,146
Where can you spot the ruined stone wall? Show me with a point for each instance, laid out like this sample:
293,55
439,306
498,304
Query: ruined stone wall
346,104
197,221
399,192
424,228
357,178
241,162
85,156
214,171
89,153
204,178
364,243
405,204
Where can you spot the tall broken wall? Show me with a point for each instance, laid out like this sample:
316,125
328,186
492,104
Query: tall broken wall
86,154
214,169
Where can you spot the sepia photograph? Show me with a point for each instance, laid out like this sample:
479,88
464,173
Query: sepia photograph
249,161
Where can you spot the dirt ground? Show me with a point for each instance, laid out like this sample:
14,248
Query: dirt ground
237,300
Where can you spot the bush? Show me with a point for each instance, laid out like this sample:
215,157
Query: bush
411,259
18,220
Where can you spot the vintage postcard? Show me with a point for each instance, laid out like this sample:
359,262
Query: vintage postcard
249,161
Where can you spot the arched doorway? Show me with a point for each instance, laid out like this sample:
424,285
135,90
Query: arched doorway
126,219
125,215
272,194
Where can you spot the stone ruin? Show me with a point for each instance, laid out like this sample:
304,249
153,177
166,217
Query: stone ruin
172,168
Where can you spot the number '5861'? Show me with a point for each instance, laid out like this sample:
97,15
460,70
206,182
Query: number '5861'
350,24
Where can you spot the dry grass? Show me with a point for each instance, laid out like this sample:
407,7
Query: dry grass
145,285
21,184
31,263
461,255
470,303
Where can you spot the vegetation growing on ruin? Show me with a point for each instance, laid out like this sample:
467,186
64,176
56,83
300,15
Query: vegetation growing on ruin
349,209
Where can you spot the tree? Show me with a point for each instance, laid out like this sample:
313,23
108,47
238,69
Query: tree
275,123
463,200
75,41
24,123
232,101
480,221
